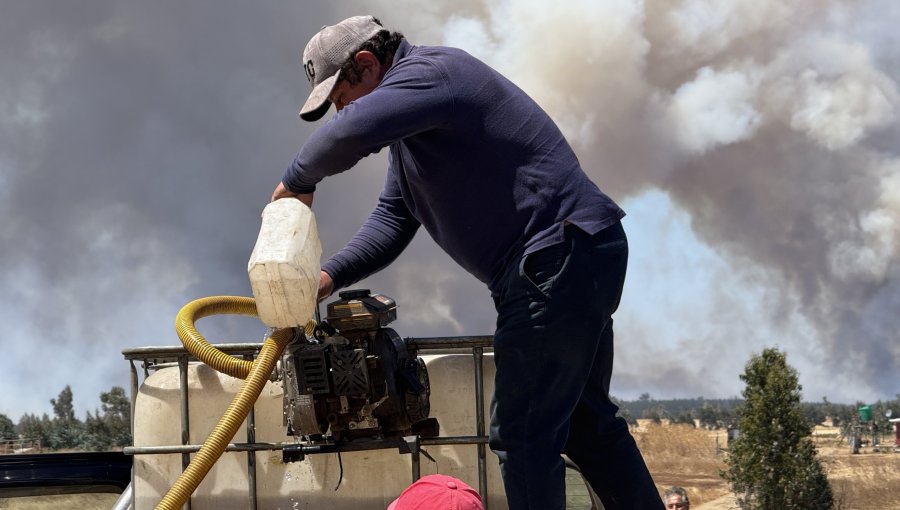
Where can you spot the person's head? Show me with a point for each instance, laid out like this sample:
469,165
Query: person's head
346,61
438,492
676,498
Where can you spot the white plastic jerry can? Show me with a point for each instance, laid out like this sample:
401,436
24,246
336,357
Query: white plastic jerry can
285,264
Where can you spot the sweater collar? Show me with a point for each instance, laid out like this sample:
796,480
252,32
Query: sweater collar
402,51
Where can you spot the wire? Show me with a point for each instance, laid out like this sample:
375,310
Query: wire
341,476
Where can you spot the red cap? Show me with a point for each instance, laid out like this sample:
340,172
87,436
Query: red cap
438,492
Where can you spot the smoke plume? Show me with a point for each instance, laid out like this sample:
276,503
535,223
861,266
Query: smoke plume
773,126
753,144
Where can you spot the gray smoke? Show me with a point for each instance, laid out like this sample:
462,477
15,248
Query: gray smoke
772,125
139,142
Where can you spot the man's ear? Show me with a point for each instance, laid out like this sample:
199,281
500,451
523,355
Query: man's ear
366,59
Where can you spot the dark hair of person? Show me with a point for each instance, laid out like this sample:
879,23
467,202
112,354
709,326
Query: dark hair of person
383,45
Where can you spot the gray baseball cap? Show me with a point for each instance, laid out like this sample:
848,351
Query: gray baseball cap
326,53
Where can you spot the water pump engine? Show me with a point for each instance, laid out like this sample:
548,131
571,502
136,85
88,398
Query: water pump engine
355,377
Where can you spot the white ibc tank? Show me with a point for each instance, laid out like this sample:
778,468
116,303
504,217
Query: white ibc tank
365,480
285,264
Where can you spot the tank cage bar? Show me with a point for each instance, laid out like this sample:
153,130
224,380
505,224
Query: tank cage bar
153,358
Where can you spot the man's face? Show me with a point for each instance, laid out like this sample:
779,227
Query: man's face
372,72
675,502
344,93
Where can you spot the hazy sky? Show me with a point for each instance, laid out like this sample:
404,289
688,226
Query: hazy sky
753,144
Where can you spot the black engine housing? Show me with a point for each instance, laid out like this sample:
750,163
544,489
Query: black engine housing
355,377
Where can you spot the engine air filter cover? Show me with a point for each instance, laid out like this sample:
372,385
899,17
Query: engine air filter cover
357,309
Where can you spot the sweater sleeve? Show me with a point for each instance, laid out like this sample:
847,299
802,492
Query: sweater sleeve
385,234
413,97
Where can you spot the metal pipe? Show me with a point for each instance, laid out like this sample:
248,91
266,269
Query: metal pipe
133,400
126,499
185,413
245,447
172,352
134,391
416,461
160,354
451,342
478,356
251,455
193,448
454,440
185,416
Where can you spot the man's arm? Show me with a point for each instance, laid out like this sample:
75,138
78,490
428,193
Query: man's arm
386,233
414,97
410,100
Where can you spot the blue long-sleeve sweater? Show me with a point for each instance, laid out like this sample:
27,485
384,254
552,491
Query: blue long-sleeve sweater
472,158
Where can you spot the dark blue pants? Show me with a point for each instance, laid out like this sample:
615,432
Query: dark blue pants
554,354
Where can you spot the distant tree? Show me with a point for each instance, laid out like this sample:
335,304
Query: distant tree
66,429
7,428
32,427
62,405
843,414
112,428
623,412
814,412
772,463
828,410
684,419
728,417
709,417
880,422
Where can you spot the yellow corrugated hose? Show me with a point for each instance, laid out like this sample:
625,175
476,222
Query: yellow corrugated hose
255,375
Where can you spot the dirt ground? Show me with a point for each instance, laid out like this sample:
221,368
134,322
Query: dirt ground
685,456
693,458
68,501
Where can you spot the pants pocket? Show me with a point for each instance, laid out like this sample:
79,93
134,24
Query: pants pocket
543,267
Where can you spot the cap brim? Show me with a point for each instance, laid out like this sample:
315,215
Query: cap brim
317,103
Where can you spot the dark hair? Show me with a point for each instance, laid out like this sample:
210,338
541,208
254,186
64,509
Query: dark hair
383,45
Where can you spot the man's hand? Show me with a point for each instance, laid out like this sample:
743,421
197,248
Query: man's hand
326,285
282,192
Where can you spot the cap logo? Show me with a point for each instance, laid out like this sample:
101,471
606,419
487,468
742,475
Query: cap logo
310,70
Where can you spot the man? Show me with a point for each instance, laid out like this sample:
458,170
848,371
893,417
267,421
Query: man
488,174
676,498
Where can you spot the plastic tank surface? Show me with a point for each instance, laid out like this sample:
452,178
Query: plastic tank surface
865,413
371,479
285,264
